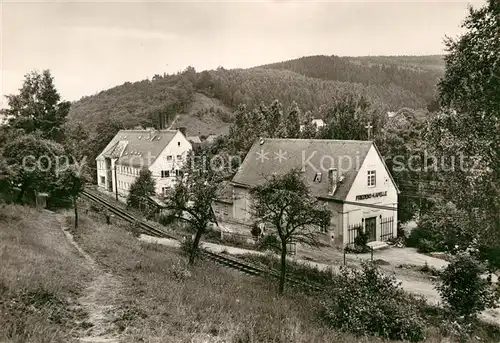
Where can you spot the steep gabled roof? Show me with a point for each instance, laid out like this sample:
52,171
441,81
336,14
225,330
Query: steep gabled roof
138,148
312,156
194,139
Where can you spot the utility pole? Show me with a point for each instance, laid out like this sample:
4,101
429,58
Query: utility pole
369,127
116,185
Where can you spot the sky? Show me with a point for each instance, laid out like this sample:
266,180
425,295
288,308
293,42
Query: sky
91,46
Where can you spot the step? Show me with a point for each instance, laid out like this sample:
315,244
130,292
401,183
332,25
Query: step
377,245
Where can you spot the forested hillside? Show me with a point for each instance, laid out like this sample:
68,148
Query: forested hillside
416,74
309,81
430,62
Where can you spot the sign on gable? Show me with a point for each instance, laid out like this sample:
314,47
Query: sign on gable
371,195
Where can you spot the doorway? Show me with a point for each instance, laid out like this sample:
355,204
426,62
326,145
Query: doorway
371,228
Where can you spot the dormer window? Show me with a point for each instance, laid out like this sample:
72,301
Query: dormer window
169,158
372,179
317,177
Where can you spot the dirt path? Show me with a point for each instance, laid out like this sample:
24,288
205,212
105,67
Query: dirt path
98,298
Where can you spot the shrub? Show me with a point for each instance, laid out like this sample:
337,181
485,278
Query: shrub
270,242
360,243
464,291
442,229
426,246
255,231
362,301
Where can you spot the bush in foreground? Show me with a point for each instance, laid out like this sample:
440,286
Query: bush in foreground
365,301
463,289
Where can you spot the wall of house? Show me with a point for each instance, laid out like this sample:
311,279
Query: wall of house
223,210
126,176
101,173
336,223
355,214
179,145
241,204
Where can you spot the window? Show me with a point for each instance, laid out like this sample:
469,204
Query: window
169,158
103,180
179,172
371,178
179,157
317,177
164,190
165,173
178,143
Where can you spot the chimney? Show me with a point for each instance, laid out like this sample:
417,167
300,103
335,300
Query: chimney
333,176
182,130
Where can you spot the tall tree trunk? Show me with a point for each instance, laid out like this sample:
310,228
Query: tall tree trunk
75,206
283,268
194,248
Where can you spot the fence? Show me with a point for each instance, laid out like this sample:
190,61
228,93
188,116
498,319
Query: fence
352,232
386,228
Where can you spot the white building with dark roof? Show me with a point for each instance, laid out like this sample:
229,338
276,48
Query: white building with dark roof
163,152
351,177
317,122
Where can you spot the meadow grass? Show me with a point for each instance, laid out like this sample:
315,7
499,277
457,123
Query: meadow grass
165,300
40,278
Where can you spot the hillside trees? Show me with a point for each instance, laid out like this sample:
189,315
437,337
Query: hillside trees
286,207
469,124
266,85
38,107
404,73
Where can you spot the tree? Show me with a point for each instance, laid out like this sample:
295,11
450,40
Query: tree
140,190
463,289
37,107
445,228
469,123
71,182
347,117
106,130
400,140
34,163
293,121
75,138
285,204
190,200
309,130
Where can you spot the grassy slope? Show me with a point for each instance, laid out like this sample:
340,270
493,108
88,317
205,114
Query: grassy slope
160,299
202,117
40,278
159,305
